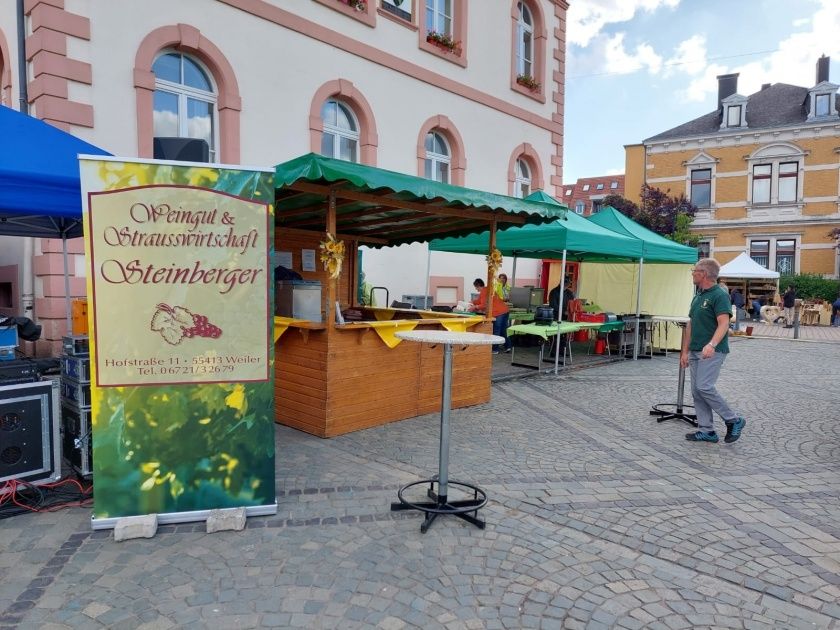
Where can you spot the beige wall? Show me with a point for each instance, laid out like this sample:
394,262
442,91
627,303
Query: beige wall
733,222
634,171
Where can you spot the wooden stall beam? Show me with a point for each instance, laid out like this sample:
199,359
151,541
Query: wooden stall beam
443,228
491,273
331,285
361,238
320,208
430,208
377,221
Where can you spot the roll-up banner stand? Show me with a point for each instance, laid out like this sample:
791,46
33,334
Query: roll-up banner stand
180,286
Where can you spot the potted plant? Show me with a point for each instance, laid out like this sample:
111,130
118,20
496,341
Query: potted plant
359,5
444,41
526,80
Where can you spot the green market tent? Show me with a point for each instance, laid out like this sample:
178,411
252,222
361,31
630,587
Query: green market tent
570,237
655,248
580,239
381,208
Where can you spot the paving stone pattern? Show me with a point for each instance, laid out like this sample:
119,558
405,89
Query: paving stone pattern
599,517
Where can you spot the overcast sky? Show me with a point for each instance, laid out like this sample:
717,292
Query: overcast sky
638,67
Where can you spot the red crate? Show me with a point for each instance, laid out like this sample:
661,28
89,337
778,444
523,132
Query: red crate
591,317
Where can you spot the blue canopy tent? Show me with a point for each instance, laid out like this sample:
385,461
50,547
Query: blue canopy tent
40,191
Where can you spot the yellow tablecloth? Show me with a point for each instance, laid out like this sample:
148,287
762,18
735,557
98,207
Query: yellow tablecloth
281,325
460,324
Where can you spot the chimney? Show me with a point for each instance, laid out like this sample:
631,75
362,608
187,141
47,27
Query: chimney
764,86
822,69
727,86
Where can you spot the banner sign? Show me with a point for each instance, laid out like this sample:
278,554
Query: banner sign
181,293
180,286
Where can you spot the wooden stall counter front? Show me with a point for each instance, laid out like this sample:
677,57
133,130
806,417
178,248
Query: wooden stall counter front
333,379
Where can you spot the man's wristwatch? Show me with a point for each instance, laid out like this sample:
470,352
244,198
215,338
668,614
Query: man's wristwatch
714,345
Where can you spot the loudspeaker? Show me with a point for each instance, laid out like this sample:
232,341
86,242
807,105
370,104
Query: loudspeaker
29,443
77,441
181,149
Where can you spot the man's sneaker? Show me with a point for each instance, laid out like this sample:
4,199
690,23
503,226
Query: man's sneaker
733,430
702,436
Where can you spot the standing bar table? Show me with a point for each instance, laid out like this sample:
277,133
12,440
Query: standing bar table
670,411
664,320
440,504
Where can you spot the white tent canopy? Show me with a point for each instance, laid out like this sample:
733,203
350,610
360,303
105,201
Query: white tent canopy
745,267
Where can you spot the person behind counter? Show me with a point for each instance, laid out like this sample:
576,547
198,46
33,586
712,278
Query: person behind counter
554,301
498,310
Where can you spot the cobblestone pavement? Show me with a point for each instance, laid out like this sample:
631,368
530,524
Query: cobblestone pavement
599,517
807,333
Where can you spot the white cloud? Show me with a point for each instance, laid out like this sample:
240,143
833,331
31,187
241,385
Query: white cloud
698,88
793,62
620,61
587,18
689,57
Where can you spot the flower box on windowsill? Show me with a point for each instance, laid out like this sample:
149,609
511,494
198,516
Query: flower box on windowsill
359,5
444,42
526,80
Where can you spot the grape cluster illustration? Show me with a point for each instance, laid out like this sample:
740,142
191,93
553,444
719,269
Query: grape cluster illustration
176,322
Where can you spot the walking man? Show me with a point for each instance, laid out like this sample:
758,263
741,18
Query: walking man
789,302
704,350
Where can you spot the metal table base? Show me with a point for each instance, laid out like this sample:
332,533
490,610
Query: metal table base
466,509
440,504
670,411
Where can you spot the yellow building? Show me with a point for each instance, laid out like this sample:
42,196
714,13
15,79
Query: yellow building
763,170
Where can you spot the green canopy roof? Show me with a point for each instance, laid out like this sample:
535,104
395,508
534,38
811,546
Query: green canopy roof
381,207
656,248
582,240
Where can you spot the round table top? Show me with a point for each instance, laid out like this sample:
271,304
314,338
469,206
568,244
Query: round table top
446,336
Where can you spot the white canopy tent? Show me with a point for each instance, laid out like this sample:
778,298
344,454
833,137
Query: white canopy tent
745,268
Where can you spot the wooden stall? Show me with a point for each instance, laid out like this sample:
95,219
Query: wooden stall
332,378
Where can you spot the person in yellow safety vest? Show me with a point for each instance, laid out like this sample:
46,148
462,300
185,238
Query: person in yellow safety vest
502,287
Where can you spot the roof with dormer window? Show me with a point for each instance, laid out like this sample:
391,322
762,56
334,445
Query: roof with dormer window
780,105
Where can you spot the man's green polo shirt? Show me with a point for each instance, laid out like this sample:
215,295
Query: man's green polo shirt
705,307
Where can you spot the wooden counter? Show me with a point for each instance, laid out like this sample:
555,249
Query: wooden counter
331,380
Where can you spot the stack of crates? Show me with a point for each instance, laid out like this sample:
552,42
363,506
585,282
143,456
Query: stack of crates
75,404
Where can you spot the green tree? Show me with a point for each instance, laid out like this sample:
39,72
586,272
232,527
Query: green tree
670,216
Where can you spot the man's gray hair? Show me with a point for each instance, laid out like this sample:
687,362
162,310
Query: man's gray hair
709,266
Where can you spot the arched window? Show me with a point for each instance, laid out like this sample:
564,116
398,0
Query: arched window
529,43
439,17
438,158
184,100
525,41
340,139
524,173
5,73
522,180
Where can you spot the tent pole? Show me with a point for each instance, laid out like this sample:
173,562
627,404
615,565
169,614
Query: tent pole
513,274
560,315
428,280
66,284
638,310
